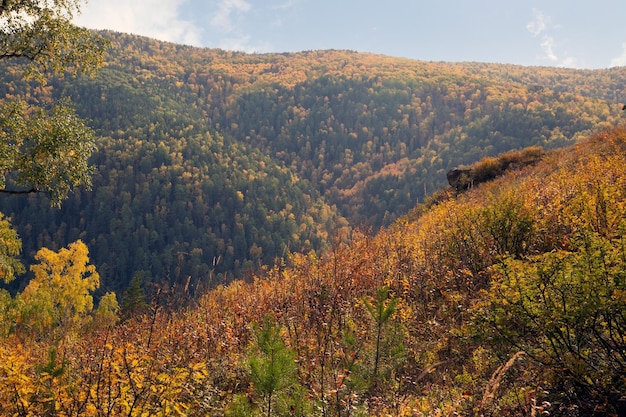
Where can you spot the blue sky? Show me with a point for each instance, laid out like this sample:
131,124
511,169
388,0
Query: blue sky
566,33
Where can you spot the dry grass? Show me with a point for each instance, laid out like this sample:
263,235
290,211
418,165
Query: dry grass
496,379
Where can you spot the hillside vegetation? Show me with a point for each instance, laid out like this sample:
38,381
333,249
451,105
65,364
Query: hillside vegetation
504,299
214,163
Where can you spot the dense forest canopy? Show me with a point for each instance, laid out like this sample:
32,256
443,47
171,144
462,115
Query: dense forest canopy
501,294
506,299
210,163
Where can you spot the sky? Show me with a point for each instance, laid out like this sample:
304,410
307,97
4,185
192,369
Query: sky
586,34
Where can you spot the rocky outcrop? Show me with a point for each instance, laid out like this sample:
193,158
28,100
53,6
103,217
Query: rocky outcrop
459,178
487,169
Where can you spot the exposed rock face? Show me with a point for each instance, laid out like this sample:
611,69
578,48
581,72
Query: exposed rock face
489,168
460,178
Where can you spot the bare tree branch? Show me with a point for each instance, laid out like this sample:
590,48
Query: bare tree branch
30,191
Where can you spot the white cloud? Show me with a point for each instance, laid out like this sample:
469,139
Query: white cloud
229,25
547,45
541,26
570,62
537,26
243,44
222,19
288,4
154,18
539,22
619,60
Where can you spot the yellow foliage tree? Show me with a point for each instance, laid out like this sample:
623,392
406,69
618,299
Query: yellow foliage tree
16,383
59,295
107,313
10,248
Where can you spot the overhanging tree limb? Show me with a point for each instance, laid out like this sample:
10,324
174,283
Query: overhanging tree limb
46,149
31,191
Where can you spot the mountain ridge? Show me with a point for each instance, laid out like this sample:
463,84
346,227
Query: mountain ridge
212,163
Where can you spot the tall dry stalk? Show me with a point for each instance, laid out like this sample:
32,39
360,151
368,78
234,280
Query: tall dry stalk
496,378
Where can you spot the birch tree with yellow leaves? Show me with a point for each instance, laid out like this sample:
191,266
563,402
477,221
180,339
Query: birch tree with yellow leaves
58,299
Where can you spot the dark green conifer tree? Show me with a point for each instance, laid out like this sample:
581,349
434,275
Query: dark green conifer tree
134,298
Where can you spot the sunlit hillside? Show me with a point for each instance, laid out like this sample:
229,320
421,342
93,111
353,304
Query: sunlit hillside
211,164
507,298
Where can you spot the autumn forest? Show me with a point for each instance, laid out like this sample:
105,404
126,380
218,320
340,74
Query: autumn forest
324,233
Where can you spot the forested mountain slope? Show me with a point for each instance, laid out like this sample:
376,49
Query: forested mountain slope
211,162
506,299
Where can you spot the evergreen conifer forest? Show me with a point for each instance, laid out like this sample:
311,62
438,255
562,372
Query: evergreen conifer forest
275,235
